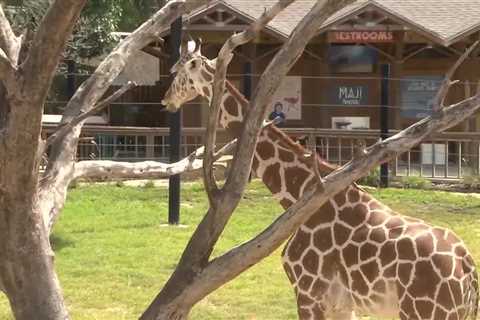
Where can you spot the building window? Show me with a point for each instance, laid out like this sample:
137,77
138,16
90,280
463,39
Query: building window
352,59
418,94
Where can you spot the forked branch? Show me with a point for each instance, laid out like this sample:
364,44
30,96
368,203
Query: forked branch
185,288
224,58
9,43
61,162
7,69
316,170
447,83
49,43
64,128
102,169
271,79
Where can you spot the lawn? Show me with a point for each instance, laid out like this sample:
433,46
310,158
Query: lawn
113,252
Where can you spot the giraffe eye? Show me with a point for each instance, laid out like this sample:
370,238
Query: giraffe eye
193,64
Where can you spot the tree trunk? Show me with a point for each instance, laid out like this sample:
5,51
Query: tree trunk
3,106
26,259
27,269
173,302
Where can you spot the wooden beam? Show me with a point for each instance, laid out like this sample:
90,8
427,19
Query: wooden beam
313,54
389,56
381,27
415,52
212,27
399,47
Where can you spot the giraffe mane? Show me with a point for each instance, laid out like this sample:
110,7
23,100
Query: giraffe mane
276,132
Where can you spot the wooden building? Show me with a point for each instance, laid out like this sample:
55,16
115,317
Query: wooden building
373,58
337,81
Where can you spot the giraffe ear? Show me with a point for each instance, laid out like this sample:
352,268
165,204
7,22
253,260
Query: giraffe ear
191,46
198,46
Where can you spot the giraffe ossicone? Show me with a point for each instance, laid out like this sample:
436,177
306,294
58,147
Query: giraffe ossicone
354,255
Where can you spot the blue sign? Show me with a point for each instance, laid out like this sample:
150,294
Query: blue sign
418,94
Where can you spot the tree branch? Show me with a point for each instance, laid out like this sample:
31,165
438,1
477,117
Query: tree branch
224,58
7,70
146,169
64,128
447,83
61,162
95,87
48,45
9,43
271,80
316,170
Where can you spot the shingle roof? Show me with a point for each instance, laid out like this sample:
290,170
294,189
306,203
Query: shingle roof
443,20
285,22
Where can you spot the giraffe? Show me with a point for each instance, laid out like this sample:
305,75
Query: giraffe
354,256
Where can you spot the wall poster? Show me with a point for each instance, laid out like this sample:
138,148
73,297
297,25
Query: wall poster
288,99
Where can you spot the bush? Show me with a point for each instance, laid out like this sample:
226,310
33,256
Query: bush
149,184
119,184
471,182
73,184
372,179
415,183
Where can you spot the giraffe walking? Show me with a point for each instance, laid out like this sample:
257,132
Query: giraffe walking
354,256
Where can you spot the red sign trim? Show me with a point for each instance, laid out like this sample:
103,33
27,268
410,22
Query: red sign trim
361,36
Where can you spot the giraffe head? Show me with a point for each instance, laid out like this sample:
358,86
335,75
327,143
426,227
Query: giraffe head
193,77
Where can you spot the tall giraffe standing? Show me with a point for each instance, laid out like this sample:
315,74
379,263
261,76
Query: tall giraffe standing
354,255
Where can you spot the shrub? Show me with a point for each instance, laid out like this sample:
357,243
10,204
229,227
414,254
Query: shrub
73,184
119,184
415,183
372,179
149,184
471,182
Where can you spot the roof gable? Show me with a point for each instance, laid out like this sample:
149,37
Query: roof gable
444,21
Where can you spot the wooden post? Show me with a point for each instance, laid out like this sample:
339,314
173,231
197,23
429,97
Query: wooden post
71,78
175,130
397,73
249,51
384,125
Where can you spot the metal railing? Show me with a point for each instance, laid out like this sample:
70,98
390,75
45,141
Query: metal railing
446,156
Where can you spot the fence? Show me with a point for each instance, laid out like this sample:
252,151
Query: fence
445,156
350,104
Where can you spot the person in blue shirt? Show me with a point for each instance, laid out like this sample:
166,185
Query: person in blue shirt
278,114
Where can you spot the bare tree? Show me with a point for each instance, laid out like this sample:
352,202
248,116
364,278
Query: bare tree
197,274
30,202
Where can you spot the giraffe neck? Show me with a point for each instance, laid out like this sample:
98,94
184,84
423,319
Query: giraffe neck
285,167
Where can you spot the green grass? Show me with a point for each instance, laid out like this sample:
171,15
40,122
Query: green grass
113,253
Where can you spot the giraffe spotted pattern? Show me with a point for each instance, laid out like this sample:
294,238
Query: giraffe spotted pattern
354,255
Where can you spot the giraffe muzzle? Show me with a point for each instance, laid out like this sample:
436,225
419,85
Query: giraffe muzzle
171,107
